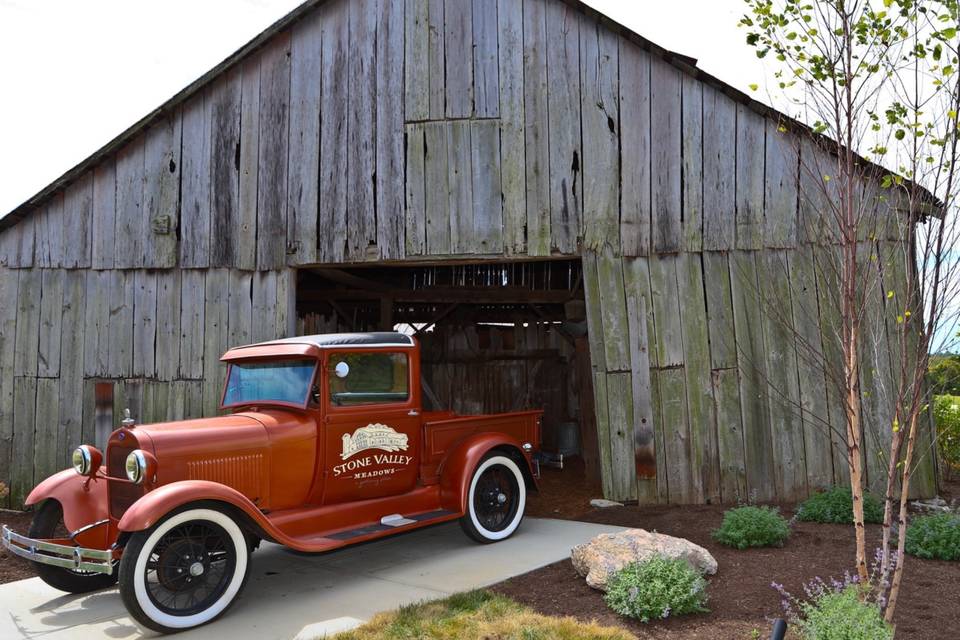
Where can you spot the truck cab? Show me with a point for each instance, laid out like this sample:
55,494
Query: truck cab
322,442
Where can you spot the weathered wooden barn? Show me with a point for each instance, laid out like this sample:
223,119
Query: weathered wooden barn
573,216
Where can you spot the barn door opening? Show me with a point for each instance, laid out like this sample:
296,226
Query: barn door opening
495,336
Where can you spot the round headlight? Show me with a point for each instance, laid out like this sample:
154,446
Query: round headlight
136,466
81,460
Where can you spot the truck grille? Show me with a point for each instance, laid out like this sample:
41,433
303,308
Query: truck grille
122,494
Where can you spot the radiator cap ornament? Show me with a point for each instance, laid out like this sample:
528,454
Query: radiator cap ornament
127,421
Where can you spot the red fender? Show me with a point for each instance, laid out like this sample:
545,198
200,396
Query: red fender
148,510
83,500
457,468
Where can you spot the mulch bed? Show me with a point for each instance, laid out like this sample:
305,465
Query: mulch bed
13,567
741,598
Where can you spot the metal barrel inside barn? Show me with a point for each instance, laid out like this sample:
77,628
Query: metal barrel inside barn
568,215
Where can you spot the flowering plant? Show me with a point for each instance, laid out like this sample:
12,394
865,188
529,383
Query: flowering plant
657,588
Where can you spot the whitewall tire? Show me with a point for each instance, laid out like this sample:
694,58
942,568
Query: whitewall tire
495,500
184,571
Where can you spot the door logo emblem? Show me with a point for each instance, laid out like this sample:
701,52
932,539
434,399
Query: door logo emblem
373,436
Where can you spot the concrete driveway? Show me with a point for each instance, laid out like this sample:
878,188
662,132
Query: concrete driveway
288,591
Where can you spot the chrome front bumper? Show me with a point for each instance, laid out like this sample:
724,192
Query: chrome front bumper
58,555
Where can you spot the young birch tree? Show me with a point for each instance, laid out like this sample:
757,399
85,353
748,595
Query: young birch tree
877,80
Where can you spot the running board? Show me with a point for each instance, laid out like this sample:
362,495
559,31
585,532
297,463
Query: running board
391,522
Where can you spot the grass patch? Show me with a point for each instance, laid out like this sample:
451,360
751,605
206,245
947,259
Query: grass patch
476,615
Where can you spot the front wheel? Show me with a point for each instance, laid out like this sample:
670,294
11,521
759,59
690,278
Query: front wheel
495,500
48,524
185,571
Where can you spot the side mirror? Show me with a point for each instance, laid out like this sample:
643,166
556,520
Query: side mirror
342,369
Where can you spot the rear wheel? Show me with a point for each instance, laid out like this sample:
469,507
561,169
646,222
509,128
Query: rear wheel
185,571
47,524
495,501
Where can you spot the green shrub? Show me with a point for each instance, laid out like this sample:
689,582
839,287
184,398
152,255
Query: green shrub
836,506
946,412
752,527
934,537
841,615
657,588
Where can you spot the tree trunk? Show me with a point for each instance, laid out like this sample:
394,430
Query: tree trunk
854,459
902,521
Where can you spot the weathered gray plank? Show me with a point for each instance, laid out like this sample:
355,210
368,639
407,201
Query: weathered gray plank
613,313
264,306
563,118
216,336
333,132
415,220
186,400
487,193
195,183
726,407
47,432
636,284
416,83
272,179
240,310
245,251
603,430
634,149
663,480
458,56
120,323
705,463
817,219
486,79
512,152
666,310
168,325
591,296
723,344
161,192
436,59
51,327
102,232
389,127
361,129
621,426
71,365
438,214
644,445
128,242
304,159
536,127
77,222
49,233
145,312
600,122
96,342
28,322
782,382
750,186
751,364
24,416
225,104
9,283
692,159
678,460
19,249
192,324
460,185
666,140
780,179
719,170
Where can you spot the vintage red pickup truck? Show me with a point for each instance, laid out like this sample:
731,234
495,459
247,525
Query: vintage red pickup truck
326,444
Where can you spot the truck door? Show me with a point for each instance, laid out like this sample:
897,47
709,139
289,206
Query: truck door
372,425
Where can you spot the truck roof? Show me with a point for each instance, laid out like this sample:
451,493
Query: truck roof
302,345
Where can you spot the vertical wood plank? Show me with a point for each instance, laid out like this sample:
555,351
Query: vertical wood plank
415,237
780,179
51,327
333,132
120,323
272,179
613,313
636,281
47,431
644,445
389,127
536,127
723,344
195,183
17,244
306,53
361,129
192,287
726,408
692,159
663,480
512,152
563,118
634,149
245,251
168,324
460,185
600,122
666,144
603,431
416,85
225,104
591,296
145,313
9,283
621,433
96,317
104,213
71,365
48,221
719,170
666,310
485,48
25,357
24,416
487,192
128,242
436,59
264,307
161,192
678,462
216,336
750,185
438,220
458,57
240,311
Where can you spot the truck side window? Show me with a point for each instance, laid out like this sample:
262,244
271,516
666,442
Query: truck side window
372,378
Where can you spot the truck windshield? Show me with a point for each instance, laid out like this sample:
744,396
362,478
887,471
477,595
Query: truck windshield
274,381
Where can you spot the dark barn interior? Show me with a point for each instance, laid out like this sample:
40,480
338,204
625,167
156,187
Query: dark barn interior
495,336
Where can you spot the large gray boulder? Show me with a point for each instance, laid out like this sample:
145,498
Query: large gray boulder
607,553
